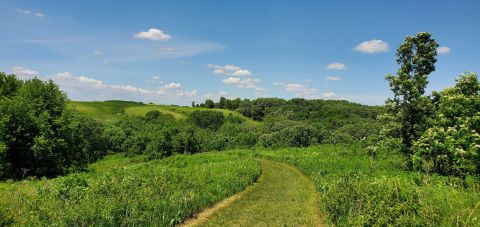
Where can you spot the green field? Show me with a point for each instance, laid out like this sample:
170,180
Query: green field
128,191
111,111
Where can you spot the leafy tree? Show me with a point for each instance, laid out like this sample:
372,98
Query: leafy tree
9,85
209,103
207,119
409,107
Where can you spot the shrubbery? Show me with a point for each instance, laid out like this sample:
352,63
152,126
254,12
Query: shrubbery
452,143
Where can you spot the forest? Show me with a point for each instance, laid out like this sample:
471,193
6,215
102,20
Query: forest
414,161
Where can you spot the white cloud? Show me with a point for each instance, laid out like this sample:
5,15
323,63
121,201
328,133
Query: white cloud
250,83
24,73
301,90
372,47
97,52
328,95
336,66
229,70
305,91
443,50
153,34
24,11
28,12
154,80
172,86
333,78
85,88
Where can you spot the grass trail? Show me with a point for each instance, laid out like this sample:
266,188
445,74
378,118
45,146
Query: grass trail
281,197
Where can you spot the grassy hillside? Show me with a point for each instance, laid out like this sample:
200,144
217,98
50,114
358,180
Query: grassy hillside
122,191
110,111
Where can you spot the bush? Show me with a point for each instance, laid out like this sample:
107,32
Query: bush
207,119
452,144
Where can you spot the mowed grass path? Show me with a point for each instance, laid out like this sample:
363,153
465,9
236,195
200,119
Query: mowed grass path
282,197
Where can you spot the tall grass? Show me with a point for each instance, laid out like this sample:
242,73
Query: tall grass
124,191
360,191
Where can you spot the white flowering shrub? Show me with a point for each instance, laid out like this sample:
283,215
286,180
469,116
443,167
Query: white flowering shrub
451,146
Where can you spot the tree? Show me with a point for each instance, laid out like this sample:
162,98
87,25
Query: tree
222,103
193,103
209,103
409,107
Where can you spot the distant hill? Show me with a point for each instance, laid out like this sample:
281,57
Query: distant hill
113,110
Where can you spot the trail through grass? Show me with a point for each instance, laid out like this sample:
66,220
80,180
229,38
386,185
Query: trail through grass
281,197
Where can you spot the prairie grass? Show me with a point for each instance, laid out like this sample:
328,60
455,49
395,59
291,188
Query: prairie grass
128,191
360,191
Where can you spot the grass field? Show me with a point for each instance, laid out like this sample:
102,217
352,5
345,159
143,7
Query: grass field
358,191
128,191
111,111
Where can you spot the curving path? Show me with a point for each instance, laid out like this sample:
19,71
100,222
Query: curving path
282,197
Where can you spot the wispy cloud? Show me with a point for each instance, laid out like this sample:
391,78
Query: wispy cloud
30,12
97,52
372,47
153,34
333,78
336,66
443,50
24,11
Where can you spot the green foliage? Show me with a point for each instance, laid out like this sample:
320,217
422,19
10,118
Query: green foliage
38,136
417,57
121,191
452,144
207,119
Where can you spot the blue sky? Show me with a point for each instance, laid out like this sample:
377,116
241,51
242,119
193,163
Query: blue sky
173,52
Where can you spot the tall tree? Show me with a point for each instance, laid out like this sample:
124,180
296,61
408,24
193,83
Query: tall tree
409,107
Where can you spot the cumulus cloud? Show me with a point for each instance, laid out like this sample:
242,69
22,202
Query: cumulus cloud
301,90
372,47
242,83
85,88
443,50
153,34
172,85
336,66
333,78
229,70
24,73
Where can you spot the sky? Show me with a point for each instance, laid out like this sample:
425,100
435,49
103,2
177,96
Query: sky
176,52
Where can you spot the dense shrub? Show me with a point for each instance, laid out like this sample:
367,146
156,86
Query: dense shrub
207,119
452,144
